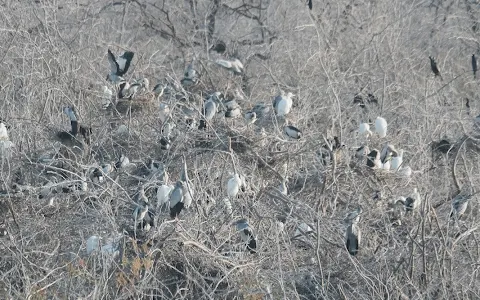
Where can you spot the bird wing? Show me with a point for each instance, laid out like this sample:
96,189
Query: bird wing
124,61
114,69
224,63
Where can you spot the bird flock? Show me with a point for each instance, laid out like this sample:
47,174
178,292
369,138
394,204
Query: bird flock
180,195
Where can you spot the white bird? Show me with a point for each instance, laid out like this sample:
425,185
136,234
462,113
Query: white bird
107,95
282,104
164,112
3,132
119,66
364,129
233,185
397,160
381,127
235,65
292,132
387,164
163,194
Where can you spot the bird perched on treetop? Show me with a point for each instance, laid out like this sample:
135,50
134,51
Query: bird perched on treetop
433,66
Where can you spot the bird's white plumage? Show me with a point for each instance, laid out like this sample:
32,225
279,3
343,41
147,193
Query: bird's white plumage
397,160
364,129
3,132
233,185
284,105
163,194
381,127
235,65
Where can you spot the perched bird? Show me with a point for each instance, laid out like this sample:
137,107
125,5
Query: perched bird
353,216
386,165
99,173
433,66
3,132
235,65
179,198
381,127
250,117
163,194
76,128
140,212
364,130
397,159
106,97
413,201
459,205
362,152
292,132
233,185
310,5
282,104
233,113
209,111
140,196
303,230
373,159
190,77
122,162
165,143
353,237
164,112
119,66
474,66
136,87
361,101
246,234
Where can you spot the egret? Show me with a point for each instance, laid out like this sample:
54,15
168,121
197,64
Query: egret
282,104
381,127
474,66
353,235
235,65
364,130
163,194
397,160
107,95
119,66
292,132
373,159
459,205
246,234
233,185
433,66
3,132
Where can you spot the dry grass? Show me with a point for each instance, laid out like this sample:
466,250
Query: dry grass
53,53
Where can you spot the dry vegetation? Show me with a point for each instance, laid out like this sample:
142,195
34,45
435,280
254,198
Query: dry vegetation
53,53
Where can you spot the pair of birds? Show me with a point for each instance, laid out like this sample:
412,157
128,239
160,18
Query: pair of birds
388,159
436,72
380,128
85,132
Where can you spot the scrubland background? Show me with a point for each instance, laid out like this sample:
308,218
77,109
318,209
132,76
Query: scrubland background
53,53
